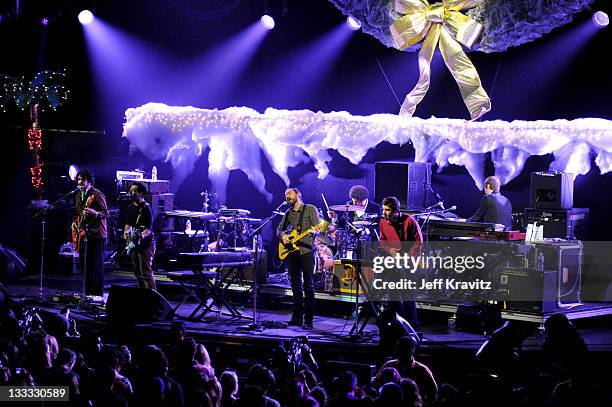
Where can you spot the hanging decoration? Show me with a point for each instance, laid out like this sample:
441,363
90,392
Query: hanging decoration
506,23
480,25
234,138
44,91
441,24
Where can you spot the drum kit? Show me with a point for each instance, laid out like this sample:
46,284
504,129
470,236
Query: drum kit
343,243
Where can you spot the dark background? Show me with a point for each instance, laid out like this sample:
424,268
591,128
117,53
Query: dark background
565,75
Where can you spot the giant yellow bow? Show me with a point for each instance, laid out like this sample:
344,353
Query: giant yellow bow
441,23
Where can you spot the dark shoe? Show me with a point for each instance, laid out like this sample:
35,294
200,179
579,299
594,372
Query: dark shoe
307,325
295,322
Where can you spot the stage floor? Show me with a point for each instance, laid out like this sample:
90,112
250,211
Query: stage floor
332,323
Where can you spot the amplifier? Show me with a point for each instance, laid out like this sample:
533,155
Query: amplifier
160,186
552,190
160,204
563,223
528,290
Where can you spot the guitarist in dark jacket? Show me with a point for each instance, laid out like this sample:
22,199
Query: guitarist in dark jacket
139,236
300,217
92,213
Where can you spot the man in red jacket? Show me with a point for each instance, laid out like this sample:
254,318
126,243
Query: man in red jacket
396,229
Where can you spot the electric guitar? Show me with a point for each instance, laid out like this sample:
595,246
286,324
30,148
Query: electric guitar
79,225
133,240
285,249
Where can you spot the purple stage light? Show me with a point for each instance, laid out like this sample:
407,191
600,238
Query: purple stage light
601,19
44,21
86,17
353,23
267,21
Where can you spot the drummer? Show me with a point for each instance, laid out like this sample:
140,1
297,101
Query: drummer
359,196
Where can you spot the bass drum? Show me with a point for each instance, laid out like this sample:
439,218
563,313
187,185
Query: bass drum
325,258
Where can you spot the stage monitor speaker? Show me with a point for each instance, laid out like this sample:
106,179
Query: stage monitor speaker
408,181
551,190
562,223
11,265
127,305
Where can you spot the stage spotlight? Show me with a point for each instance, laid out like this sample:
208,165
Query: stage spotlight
44,21
601,19
267,21
73,170
86,17
353,23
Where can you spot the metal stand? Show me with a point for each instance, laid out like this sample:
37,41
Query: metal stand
255,235
83,246
43,214
356,332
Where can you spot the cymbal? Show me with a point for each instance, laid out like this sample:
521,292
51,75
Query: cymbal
324,239
346,208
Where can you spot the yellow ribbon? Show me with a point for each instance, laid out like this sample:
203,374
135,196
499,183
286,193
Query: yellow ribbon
444,24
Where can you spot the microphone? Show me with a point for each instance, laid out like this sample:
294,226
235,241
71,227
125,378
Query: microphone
440,204
452,208
278,208
74,191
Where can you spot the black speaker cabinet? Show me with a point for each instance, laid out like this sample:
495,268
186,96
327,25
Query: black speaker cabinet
562,223
408,181
529,290
127,306
551,190
160,204
566,259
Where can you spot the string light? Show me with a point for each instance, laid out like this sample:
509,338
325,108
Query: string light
46,89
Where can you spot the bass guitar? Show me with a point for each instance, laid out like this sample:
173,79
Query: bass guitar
285,249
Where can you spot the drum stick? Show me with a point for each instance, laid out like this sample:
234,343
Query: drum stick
325,202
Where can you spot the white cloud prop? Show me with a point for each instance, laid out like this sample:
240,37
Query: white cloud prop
236,136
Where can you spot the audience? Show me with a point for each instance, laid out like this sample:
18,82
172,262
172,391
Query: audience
409,367
105,375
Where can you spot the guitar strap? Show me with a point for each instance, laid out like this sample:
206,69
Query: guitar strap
139,214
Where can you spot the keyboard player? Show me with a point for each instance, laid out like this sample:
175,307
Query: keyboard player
494,207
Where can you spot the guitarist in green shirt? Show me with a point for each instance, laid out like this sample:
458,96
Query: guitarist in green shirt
301,262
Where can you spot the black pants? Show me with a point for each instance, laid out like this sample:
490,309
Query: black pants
302,266
91,260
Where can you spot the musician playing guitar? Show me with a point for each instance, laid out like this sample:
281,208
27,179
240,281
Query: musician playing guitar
138,234
300,217
90,222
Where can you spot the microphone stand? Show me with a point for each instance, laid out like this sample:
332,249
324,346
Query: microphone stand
43,214
255,235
